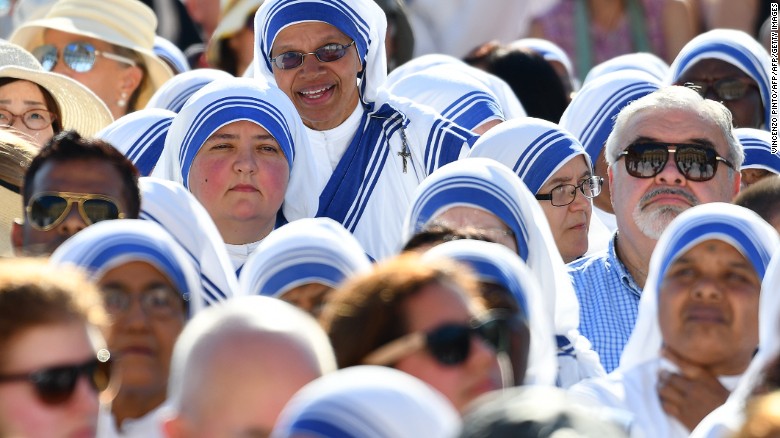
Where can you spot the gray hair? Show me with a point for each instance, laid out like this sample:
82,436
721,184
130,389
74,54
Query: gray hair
675,98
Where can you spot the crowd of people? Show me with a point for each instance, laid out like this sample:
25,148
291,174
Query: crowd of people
360,218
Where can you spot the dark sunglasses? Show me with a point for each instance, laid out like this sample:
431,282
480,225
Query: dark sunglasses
695,162
449,344
327,53
46,210
79,56
55,385
726,89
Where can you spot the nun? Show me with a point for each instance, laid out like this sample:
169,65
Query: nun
486,195
697,329
139,136
329,58
555,168
303,262
239,146
173,93
760,162
136,261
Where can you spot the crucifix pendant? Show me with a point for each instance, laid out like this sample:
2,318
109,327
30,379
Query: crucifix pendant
404,154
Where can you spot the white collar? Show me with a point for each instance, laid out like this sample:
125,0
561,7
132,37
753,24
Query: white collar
335,141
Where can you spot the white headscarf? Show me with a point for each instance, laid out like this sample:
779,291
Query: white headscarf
368,401
313,250
226,101
488,185
743,229
362,20
140,136
495,263
173,94
108,244
734,47
757,144
170,205
640,61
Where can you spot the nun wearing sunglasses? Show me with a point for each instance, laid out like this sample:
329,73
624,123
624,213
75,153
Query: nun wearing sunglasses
698,324
54,369
146,281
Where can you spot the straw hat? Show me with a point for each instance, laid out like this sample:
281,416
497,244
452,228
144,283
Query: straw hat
126,23
234,16
80,108
15,157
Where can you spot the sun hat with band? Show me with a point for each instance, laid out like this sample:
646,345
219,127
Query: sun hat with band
79,108
126,23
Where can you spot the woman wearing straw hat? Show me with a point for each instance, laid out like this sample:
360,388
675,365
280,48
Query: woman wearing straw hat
106,45
37,104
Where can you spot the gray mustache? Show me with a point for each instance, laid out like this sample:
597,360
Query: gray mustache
668,191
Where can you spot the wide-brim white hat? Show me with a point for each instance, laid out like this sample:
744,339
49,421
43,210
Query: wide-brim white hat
80,108
126,23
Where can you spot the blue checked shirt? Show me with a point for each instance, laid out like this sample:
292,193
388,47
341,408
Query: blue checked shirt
609,301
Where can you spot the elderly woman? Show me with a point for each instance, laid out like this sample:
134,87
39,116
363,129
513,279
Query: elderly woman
135,261
38,104
555,168
484,194
329,58
239,146
107,46
697,329
302,262
53,358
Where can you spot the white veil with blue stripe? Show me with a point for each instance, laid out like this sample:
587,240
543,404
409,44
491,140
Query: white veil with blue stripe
173,94
757,145
140,136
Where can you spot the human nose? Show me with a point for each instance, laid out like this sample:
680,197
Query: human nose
73,222
707,288
245,160
580,202
85,398
669,174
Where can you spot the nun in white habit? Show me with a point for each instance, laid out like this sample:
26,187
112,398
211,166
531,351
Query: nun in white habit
173,93
373,148
709,300
496,264
140,136
368,401
245,144
638,61
485,186
303,261
760,161
555,168
173,207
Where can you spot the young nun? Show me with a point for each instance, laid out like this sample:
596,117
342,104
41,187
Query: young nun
239,146
140,136
136,261
486,195
501,271
555,168
697,328
329,58
302,262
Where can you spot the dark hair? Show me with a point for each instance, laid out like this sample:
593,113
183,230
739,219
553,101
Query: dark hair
70,146
532,78
762,197
437,233
48,99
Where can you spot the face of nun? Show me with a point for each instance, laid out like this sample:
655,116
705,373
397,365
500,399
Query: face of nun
324,93
427,310
310,297
481,220
148,314
240,175
708,308
748,110
569,223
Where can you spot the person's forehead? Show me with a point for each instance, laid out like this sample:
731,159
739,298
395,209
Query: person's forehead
314,30
79,176
674,126
711,69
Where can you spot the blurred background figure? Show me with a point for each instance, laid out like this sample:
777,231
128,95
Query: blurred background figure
559,60
762,197
54,359
171,55
16,153
236,365
399,40
231,47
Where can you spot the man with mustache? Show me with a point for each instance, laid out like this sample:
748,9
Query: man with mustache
669,151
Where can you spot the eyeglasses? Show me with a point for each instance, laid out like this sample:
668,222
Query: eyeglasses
565,194
79,56
726,88
46,210
35,119
56,385
159,301
327,53
449,344
695,162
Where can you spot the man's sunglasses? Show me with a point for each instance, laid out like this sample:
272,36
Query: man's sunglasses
46,210
695,162
327,53
726,89
449,344
55,385
79,56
